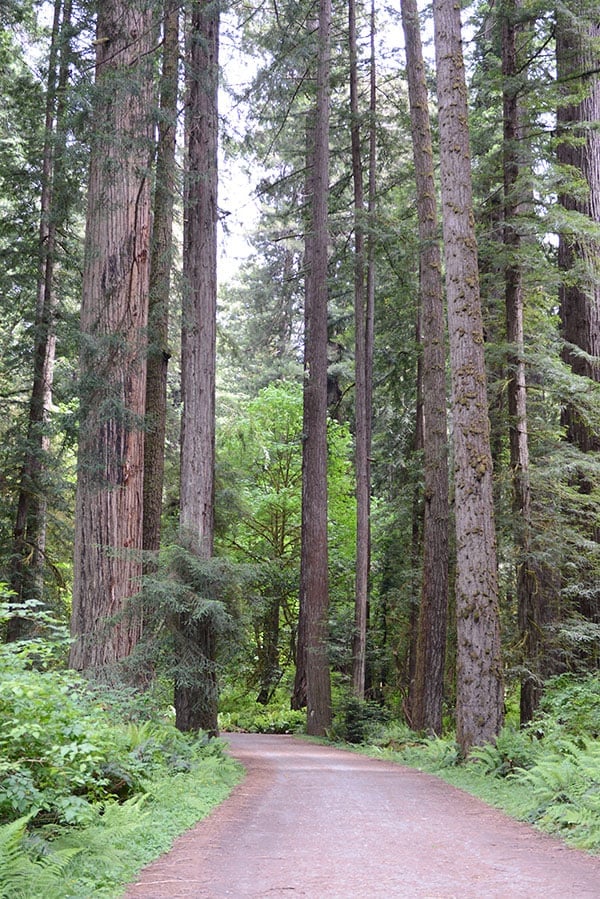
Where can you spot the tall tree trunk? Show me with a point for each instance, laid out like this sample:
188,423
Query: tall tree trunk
428,690
314,588
29,534
578,62
479,708
529,596
363,296
196,702
114,313
160,282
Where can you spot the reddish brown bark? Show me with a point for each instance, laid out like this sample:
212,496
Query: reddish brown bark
196,699
160,283
314,587
108,532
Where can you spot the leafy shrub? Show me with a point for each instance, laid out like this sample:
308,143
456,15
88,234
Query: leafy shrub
573,701
239,711
62,749
358,721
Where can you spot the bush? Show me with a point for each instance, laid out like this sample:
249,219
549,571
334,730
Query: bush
63,749
513,749
239,711
573,702
358,720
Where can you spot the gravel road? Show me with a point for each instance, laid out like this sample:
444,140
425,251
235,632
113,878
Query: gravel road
323,823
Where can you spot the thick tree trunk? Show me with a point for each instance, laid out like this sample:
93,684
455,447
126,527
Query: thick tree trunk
479,709
428,688
314,588
160,283
578,64
196,702
578,61
108,525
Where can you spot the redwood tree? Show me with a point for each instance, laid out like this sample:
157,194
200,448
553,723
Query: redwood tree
427,691
114,312
314,591
160,281
195,687
364,291
29,534
479,707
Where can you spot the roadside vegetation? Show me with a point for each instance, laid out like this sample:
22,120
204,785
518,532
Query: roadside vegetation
95,781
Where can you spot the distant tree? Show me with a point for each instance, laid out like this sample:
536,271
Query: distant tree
195,685
114,314
29,535
480,695
531,598
314,586
578,63
160,280
364,295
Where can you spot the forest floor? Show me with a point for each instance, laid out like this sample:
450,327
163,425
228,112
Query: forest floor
314,821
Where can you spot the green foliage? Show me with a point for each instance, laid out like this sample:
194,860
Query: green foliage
128,835
94,781
26,870
239,710
47,645
513,749
358,720
63,750
259,513
181,595
573,702
564,792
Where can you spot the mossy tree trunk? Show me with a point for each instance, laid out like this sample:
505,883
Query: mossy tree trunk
480,697
314,586
427,689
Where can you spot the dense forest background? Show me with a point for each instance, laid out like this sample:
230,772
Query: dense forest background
323,478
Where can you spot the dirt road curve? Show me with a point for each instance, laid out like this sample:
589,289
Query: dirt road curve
326,824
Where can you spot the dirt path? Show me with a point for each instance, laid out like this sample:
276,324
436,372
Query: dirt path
318,822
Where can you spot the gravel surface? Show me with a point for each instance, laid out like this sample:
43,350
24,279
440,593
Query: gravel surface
318,822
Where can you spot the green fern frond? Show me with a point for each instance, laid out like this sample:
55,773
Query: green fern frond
21,873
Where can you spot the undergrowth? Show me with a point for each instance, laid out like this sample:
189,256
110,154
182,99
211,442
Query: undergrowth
94,782
239,711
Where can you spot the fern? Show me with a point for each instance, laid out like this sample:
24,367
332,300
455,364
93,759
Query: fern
23,873
564,790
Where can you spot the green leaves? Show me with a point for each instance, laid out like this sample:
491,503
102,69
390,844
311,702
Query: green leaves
22,870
